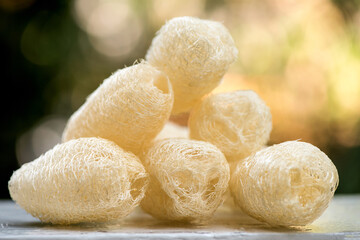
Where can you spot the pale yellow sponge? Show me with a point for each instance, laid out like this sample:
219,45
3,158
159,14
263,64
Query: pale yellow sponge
188,180
130,108
83,180
238,123
195,54
289,184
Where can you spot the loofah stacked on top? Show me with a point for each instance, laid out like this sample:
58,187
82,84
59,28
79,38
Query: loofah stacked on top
114,156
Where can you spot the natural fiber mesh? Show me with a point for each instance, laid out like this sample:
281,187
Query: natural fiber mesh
173,130
129,108
188,180
238,123
288,184
195,54
83,180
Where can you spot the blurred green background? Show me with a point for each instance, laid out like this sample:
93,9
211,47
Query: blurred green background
301,57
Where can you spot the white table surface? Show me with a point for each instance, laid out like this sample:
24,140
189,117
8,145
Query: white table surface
340,221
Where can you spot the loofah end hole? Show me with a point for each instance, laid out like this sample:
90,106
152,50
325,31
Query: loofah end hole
295,177
210,188
137,187
304,193
162,83
309,195
184,180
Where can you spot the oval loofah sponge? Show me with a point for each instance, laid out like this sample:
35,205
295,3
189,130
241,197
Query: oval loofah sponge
130,108
289,184
238,123
195,54
188,180
83,180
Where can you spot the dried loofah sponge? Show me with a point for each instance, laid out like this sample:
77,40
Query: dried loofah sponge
289,184
238,123
195,54
188,180
130,108
83,180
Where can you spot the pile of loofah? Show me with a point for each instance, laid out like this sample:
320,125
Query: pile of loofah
119,149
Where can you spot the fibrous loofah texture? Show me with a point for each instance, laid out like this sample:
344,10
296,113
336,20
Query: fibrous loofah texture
129,108
83,180
173,130
238,123
195,54
289,184
188,180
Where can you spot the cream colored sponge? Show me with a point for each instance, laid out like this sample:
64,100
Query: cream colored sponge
188,180
130,108
288,184
83,180
195,54
238,123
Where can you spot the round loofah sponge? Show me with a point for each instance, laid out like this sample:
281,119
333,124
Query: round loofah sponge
289,184
238,123
188,180
130,108
195,54
83,180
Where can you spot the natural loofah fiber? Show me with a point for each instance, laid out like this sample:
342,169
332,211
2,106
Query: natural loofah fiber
83,180
238,123
195,54
188,180
130,108
289,184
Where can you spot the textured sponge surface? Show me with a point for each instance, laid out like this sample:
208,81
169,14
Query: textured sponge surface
195,54
82,180
130,108
238,123
188,180
288,184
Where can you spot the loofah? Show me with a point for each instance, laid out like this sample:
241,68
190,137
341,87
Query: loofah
130,108
188,180
195,54
173,130
83,180
289,184
238,123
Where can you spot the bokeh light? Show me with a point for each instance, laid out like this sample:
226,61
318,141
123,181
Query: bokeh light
113,28
39,139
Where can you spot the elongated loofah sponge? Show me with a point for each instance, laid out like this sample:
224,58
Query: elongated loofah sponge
83,180
288,184
238,123
195,54
188,180
130,108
